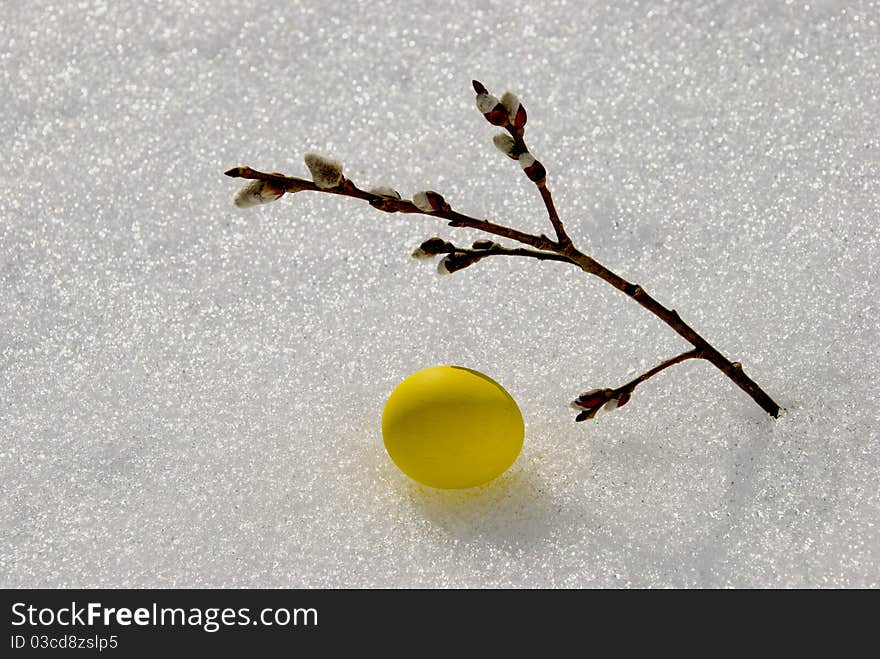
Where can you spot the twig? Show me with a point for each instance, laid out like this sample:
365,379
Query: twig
498,250
630,386
590,402
561,235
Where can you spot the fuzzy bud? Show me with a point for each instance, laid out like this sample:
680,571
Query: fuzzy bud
383,191
384,199
455,262
497,116
257,192
433,247
526,160
615,402
510,103
429,201
486,102
590,402
326,172
533,168
592,398
484,244
490,106
506,145
516,113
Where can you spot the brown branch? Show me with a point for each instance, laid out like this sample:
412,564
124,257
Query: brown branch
509,114
456,219
561,235
498,250
732,370
482,249
389,204
590,402
630,386
520,147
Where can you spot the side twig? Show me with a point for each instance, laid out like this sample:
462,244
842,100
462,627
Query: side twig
590,402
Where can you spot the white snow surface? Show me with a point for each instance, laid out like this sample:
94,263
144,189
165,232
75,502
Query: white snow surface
191,393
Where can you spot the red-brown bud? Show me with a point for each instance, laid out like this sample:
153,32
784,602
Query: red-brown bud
455,262
257,192
520,118
594,400
536,172
432,247
497,116
384,199
587,415
516,113
491,108
429,201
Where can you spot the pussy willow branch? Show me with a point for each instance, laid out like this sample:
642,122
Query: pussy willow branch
509,114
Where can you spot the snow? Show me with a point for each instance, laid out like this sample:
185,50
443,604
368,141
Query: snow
191,393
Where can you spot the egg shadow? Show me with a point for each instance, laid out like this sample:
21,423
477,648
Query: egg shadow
516,509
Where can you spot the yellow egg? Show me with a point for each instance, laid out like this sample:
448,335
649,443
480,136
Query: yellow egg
452,427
